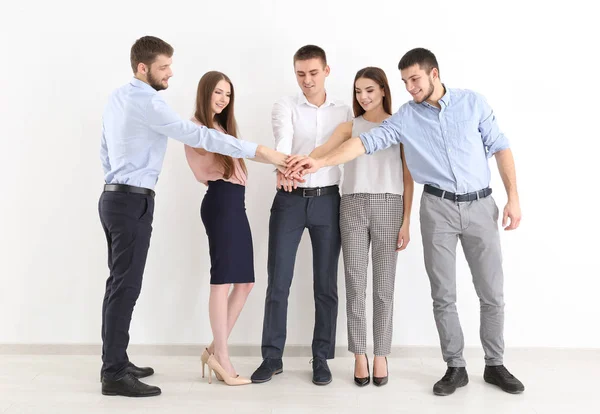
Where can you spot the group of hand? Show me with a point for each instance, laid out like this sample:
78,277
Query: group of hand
291,172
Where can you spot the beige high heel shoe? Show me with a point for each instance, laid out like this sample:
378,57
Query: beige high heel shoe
204,359
213,365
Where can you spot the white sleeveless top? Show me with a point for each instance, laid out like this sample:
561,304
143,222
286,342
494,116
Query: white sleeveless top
380,172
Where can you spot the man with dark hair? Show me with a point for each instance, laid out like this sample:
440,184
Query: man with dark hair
135,127
448,136
300,124
419,56
309,52
146,49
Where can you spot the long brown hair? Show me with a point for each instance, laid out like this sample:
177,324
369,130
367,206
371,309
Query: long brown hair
378,76
225,119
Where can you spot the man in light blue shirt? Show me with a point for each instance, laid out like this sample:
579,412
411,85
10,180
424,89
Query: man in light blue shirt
135,127
448,136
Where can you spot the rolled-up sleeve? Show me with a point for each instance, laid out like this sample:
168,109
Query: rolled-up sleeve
164,120
493,139
383,136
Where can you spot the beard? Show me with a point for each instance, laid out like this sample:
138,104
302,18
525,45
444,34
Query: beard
152,81
428,93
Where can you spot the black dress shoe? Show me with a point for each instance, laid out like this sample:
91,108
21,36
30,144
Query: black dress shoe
361,382
139,372
128,386
136,371
499,375
455,377
379,381
268,368
321,372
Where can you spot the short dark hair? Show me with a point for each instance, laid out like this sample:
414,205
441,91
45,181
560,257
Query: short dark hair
146,49
419,56
310,52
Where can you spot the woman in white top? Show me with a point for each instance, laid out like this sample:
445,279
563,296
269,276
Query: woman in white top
375,210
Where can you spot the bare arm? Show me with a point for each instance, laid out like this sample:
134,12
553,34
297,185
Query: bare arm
348,151
506,167
409,189
267,155
341,134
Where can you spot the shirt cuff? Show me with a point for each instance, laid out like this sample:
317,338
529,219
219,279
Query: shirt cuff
367,142
249,149
496,148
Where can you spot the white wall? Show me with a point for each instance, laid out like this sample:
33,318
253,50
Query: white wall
535,61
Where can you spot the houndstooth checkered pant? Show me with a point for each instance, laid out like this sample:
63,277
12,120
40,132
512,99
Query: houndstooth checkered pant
370,219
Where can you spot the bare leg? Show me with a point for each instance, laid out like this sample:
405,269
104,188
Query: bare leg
224,311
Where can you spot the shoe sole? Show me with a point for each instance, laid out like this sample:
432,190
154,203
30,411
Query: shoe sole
444,394
503,389
322,383
112,394
140,377
279,371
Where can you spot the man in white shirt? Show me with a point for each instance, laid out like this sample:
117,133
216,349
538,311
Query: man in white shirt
300,124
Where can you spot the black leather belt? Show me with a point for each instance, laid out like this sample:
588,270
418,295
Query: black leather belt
124,188
315,191
458,198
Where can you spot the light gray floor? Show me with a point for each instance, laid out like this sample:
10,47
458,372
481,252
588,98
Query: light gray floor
556,381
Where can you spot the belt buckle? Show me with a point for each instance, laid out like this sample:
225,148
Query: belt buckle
456,197
318,190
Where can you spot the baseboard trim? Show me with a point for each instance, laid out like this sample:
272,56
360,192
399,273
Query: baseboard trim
245,350
158,350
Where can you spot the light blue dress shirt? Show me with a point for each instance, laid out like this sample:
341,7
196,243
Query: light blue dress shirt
135,127
447,148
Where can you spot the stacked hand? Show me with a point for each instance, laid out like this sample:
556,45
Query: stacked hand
292,168
287,183
300,165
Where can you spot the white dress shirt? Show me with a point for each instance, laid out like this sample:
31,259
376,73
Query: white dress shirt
299,127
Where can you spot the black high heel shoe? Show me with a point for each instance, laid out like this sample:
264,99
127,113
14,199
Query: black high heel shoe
361,382
380,381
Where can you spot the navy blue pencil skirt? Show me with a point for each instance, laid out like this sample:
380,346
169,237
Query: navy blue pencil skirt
223,213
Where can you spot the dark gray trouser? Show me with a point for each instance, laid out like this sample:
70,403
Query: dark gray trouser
475,223
127,222
290,215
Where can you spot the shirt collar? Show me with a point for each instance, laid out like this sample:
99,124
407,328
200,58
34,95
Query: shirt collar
445,100
328,101
141,84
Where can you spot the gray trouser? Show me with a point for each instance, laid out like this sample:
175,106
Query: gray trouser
370,219
475,223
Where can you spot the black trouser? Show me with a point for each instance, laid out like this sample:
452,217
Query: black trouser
127,222
290,215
